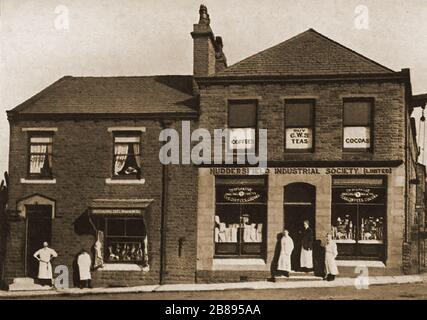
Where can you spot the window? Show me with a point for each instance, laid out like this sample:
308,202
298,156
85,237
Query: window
241,217
127,156
125,240
242,123
299,125
40,163
357,125
358,217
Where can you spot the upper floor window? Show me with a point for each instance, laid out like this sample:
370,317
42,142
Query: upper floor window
40,162
299,125
242,123
127,155
357,125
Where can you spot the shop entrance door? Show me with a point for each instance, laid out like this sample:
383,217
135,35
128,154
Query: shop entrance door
299,205
39,230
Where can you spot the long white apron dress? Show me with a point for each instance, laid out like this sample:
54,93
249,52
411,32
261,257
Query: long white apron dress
287,246
306,259
84,262
331,252
45,267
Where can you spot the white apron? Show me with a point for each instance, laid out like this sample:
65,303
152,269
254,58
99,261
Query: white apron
306,260
331,253
45,267
287,246
84,262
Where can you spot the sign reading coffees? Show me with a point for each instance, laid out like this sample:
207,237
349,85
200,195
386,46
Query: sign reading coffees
242,139
299,138
357,137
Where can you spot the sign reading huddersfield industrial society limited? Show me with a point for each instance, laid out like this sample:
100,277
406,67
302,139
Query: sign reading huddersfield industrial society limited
302,171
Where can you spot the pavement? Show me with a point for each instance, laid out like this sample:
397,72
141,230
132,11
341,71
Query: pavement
256,285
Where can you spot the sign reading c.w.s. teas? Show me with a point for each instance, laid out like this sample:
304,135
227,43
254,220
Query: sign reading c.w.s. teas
299,138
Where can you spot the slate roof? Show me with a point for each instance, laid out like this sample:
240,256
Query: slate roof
309,53
118,95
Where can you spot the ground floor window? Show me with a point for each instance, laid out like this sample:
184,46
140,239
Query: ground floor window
240,217
359,217
124,240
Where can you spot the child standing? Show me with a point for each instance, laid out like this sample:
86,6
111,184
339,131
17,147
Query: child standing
331,252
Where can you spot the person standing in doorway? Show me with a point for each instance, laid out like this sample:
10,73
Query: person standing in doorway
44,256
331,252
306,260
287,246
84,263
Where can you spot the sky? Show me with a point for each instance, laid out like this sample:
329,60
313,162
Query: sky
43,40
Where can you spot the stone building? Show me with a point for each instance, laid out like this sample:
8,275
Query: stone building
341,153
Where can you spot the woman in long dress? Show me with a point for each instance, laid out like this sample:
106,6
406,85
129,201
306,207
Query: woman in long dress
44,256
287,246
306,260
331,252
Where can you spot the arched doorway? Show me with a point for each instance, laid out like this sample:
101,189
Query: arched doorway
299,205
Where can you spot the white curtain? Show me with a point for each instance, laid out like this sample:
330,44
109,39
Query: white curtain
137,155
120,150
37,160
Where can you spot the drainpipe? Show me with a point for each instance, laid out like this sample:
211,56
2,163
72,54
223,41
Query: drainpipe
164,203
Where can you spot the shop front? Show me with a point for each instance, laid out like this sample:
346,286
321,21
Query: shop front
242,211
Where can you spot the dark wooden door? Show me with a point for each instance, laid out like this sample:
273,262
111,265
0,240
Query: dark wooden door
39,230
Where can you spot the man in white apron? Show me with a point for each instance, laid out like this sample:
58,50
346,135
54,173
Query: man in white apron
44,256
306,261
84,263
286,248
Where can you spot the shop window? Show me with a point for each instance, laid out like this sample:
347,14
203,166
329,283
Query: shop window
241,217
299,125
40,162
357,125
359,217
125,240
242,125
127,156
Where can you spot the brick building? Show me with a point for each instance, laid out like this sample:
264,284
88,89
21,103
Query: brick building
84,166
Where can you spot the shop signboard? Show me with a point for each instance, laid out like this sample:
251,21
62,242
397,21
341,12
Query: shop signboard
358,195
242,139
357,138
299,138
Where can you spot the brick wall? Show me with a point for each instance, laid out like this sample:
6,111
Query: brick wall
82,160
388,125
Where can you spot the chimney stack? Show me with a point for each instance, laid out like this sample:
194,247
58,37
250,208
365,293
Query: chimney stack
208,57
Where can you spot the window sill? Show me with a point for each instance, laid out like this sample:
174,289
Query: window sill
124,181
38,181
123,267
236,262
360,263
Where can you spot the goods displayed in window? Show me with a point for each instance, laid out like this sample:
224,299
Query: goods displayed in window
358,217
125,240
240,217
125,252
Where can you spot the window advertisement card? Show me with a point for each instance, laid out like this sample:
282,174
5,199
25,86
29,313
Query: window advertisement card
299,138
357,138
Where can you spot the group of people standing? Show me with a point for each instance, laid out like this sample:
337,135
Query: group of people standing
45,275
287,246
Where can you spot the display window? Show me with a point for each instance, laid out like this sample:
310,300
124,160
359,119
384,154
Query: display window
240,217
125,239
359,217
